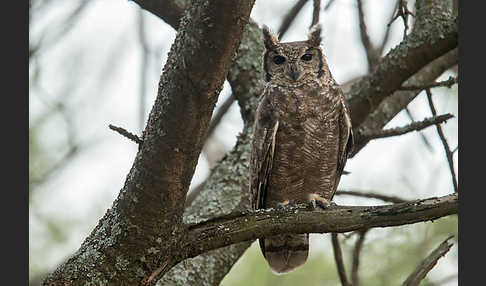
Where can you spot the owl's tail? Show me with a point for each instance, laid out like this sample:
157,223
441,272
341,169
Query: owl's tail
285,252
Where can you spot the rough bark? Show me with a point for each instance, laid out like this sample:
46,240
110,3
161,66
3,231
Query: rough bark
237,227
420,48
156,188
227,188
396,102
135,236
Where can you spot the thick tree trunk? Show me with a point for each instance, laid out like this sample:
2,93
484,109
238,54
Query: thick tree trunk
145,234
136,235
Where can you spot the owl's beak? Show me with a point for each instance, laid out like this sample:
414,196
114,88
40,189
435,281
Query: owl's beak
293,72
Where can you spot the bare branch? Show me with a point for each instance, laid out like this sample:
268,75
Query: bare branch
403,12
414,126
428,263
316,12
238,227
126,134
447,83
149,210
371,195
384,41
289,18
447,149
370,51
329,4
356,257
402,62
338,257
225,106
170,11
392,105
422,135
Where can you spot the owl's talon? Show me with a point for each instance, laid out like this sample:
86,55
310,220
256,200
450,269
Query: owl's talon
322,204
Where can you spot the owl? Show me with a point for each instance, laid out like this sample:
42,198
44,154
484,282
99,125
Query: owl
301,141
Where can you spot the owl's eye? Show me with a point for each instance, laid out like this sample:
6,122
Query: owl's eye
306,57
278,60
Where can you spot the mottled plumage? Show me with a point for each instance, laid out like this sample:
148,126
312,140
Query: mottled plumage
301,141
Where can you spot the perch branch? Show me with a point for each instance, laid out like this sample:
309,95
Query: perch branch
237,227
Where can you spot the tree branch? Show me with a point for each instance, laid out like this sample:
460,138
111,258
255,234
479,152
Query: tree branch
403,12
415,126
447,149
420,48
424,139
238,227
147,215
427,264
371,53
289,18
448,83
393,104
371,195
356,257
338,257
126,134
316,12
170,11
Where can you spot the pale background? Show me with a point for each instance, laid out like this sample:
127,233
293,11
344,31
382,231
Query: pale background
94,71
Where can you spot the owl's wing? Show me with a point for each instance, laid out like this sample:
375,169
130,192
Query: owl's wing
346,142
262,152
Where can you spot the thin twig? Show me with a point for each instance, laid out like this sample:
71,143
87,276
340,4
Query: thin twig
329,4
381,47
289,18
428,263
422,135
338,257
356,256
371,195
365,39
444,141
316,12
402,11
126,134
222,110
414,126
446,83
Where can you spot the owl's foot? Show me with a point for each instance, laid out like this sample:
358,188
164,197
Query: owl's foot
286,203
317,200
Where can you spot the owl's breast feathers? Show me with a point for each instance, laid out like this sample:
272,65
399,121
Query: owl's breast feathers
300,145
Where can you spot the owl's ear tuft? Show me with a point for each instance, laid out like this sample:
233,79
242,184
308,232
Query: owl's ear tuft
269,38
315,38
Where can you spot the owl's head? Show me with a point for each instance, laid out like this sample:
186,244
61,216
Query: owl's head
293,62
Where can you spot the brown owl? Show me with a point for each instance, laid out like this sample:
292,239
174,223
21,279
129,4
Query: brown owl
301,141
